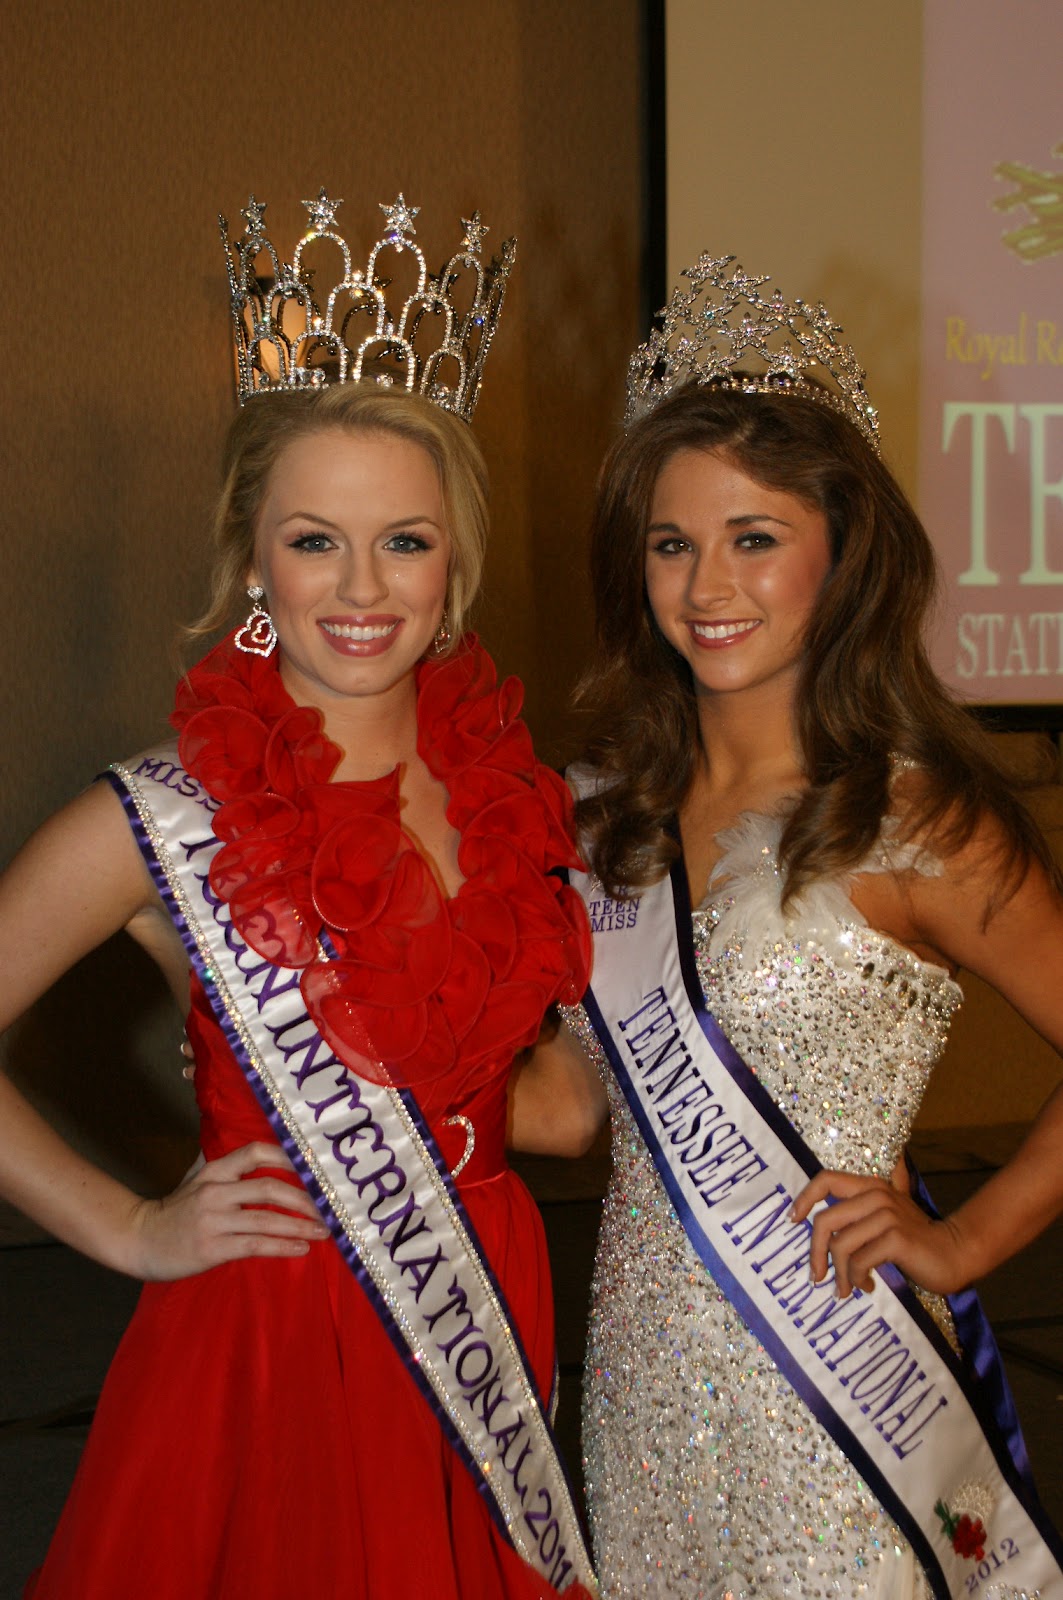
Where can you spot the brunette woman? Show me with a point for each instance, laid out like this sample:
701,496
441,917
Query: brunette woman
795,840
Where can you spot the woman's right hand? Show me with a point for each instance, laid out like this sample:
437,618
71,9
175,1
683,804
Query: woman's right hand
78,880
216,1214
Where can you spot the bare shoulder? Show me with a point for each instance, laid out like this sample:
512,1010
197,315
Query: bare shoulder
76,881
949,882
1005,926
966,906
911,790
972,856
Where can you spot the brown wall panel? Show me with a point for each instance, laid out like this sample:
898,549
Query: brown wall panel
809,168
126,129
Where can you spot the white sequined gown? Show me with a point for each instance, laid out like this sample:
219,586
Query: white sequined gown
706,1474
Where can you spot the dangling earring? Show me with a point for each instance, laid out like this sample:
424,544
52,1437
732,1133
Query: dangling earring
258,636
442,636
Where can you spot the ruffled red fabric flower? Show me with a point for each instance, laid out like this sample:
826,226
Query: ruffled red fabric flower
403,983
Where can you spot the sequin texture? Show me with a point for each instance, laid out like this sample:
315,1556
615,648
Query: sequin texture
707,1476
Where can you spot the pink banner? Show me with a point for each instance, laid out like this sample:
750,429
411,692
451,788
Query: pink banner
991,444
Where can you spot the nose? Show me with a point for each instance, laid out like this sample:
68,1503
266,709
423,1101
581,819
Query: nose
711,578
363,580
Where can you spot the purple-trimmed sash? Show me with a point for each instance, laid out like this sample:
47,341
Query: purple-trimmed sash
873,1369
368,1159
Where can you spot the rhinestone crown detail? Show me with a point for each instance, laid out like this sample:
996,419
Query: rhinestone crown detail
291,332
708,333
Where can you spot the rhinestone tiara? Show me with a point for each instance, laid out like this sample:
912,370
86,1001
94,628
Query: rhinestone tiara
293,331
707,334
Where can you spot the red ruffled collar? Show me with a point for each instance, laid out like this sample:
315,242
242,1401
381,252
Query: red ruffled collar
417,985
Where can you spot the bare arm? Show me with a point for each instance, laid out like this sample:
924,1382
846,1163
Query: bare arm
1020,953
78,880
557,1102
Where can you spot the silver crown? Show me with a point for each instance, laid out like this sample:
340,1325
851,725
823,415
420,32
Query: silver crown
706,336
291,334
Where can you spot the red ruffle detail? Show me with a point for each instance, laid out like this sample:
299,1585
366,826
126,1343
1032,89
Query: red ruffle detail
408,979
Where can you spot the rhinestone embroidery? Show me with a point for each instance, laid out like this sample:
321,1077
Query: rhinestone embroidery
707,1476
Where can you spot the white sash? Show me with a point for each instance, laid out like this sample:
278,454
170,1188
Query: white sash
873,1368
368,1160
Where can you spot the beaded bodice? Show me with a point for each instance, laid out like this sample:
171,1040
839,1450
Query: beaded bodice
841,1024
707,1477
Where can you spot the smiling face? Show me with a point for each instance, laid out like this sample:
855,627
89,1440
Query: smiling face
353,552
733,571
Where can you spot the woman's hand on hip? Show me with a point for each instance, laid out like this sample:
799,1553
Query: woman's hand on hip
217,1214
871,1222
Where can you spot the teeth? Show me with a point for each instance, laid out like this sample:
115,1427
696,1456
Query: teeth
722,630
360,632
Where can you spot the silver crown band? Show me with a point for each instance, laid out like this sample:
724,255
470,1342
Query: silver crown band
707,335
291,335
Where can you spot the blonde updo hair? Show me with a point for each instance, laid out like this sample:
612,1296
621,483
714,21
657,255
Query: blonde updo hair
267,424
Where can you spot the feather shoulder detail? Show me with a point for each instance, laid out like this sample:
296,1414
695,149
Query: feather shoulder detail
744,898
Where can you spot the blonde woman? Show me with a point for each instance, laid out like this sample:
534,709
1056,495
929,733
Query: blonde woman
343,865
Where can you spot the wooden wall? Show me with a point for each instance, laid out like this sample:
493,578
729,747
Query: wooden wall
807,164
126,128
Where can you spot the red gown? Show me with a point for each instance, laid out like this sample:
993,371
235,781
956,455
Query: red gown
258,1435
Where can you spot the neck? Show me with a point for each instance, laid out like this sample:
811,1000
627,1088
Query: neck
750,744
376,733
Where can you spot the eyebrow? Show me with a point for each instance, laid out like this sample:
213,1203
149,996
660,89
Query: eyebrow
416,521
732,522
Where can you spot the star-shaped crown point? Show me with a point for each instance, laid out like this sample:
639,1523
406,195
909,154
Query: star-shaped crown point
399,217
254,214
322,212
474,233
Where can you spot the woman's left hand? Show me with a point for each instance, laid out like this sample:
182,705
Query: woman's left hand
871,1222
1017,947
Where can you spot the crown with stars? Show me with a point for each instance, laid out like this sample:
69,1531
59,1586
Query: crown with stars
294,330
723,332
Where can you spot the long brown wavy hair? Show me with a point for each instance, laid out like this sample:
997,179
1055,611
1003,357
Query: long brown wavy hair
866,692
